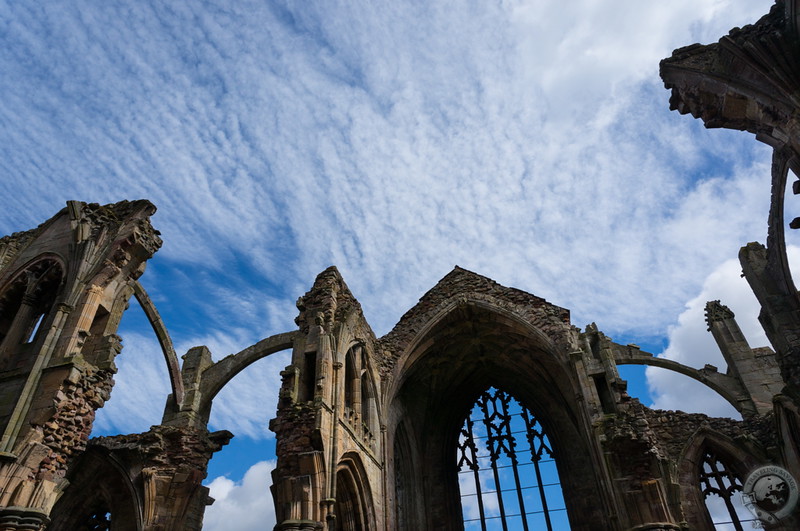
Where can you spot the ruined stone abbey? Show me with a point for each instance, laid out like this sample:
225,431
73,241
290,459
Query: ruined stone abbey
379,433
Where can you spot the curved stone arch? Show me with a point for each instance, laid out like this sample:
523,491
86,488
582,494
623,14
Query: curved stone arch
218,375
442,371
56,258
99,476
164,340
728,387
415,348
741,460
347,337
783,160
354,506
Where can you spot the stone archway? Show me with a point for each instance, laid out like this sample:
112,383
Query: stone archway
353,507
469,348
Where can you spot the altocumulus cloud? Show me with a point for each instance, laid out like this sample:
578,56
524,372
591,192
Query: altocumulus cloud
519,139
529,141
394,140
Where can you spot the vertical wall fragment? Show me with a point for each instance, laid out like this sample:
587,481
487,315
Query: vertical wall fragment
63,289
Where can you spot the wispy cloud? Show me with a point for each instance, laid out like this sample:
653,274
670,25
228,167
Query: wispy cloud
529,141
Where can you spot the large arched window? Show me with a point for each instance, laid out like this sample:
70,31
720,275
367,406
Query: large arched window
722,492
507,470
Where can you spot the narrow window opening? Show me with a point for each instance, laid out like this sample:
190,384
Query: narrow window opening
366,402
603,392
594,344
349,375
34,329
310,375
507,471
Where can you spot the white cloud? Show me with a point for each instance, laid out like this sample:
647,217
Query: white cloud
526,140
247,403
529,141
244,406
244,505
691,344
140,389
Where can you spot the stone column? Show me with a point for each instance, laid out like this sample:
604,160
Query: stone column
20,325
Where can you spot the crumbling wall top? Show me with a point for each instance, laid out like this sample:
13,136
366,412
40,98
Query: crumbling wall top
328,301
461,283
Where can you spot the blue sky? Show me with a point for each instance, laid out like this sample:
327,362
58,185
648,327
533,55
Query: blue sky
528,141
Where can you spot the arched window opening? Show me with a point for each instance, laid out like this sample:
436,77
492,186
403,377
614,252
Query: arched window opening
366,403
721,490
405,496
349,508
353,393
24,306
349,377
507,471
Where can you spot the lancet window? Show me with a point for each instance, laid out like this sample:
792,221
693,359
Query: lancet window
359,393
507,470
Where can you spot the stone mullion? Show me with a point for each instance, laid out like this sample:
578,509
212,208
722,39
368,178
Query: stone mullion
19,325
26,397
356,383
494,454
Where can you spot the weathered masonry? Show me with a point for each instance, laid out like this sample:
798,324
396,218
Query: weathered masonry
479,388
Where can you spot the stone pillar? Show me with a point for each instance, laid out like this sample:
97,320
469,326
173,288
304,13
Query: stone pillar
757,370
21,518
188,414
355,385
20,325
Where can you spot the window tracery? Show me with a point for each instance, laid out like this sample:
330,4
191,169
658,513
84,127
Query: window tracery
507,473
721,489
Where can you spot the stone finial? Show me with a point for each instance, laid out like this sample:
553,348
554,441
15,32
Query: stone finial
717,312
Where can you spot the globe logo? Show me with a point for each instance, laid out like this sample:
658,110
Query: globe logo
770,493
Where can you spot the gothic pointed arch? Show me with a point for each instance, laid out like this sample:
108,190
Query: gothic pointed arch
101,496
353,505
465,346
713,466
26,299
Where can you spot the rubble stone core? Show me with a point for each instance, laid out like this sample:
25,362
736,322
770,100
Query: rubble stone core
367,427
